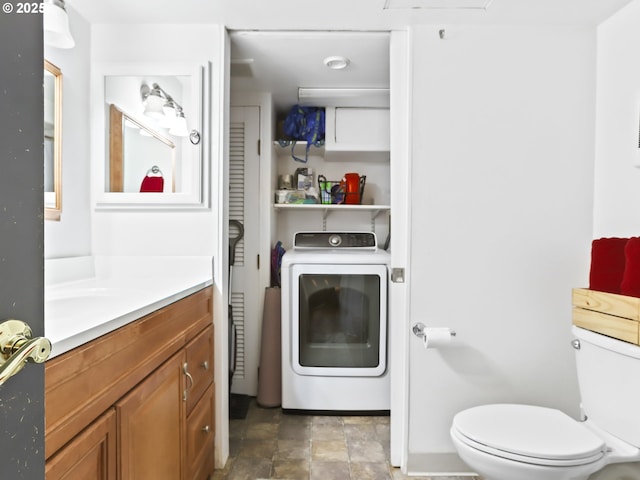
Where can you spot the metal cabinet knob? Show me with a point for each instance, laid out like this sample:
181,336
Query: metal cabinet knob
205,365
206,429
17,348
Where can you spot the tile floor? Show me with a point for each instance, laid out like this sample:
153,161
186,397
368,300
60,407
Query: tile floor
270,444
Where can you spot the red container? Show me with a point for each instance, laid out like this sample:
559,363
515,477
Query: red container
353,188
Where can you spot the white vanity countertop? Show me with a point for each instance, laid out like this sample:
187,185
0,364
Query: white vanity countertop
87,297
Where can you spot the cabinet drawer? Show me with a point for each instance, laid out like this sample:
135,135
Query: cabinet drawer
200,366
200,438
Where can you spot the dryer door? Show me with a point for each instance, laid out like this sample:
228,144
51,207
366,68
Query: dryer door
339,320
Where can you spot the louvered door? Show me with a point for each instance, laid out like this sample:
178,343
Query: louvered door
246,296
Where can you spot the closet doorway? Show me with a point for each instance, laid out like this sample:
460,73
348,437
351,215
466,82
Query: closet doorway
267,68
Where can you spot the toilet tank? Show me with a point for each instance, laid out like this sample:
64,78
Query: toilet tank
609,379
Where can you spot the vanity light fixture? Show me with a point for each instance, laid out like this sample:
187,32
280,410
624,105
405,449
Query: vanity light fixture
179,127
161,106
55,25
153,102
170,108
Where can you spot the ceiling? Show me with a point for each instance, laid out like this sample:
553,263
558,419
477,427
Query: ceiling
296,35
345,15
280,62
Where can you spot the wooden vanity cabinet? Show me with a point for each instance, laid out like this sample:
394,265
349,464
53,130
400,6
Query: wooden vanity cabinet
91,454
137,403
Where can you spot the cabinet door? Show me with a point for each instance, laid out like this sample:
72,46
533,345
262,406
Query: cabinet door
358,129
152,427
199,366
91,454
200,438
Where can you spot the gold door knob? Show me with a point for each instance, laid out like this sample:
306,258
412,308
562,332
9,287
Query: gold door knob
17,348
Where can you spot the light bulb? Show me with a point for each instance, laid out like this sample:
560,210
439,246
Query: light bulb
179,128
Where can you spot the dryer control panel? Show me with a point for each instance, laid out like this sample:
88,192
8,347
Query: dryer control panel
358,240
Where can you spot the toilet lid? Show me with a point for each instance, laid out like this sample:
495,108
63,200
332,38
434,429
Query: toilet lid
526,433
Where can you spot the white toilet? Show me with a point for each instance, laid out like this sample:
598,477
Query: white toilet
525,442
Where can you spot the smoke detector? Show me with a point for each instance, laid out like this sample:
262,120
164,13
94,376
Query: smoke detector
336,62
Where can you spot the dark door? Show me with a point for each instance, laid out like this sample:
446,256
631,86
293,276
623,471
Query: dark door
21,234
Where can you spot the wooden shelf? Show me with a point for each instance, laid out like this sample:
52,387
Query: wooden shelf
616,316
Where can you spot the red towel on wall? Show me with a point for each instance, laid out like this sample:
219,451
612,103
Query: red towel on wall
607,264
630,284
152,184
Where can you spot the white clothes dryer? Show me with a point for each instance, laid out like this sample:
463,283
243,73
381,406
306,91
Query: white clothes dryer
335,324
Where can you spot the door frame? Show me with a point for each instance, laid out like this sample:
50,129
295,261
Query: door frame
399,324
401,92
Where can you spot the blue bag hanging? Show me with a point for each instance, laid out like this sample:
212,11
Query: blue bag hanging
304,124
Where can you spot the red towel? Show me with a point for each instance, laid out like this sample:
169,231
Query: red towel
630,284
607,264
152,184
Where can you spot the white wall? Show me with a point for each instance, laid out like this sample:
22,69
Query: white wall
617,181
501,220
71,236
156,232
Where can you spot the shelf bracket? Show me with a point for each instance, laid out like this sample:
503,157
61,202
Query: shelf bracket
374,215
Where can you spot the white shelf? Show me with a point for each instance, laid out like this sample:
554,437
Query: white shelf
326,209
350,153
300,148
332,207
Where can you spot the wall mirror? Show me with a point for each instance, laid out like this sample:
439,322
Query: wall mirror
52,142
150,132
140,159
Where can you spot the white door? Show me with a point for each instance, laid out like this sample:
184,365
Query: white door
21,237
246,295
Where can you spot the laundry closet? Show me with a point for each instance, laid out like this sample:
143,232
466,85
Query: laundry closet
271,72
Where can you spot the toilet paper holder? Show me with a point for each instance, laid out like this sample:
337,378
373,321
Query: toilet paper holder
419,330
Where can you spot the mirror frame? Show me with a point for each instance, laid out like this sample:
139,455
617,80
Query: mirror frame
55,212
198,197
116,147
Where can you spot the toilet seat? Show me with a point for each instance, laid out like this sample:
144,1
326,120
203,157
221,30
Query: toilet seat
529,434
